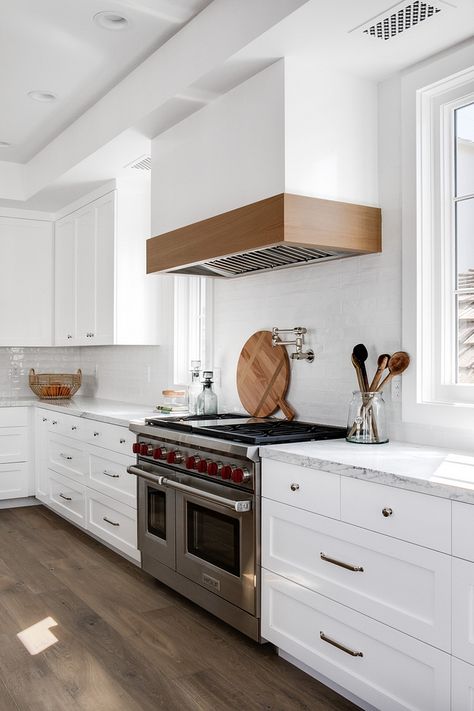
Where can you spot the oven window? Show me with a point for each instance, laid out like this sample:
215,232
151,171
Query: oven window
214,537
157,513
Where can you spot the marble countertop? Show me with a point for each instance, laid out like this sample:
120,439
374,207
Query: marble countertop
111,411
429,470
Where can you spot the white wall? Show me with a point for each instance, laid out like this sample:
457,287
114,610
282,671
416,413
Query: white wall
226,155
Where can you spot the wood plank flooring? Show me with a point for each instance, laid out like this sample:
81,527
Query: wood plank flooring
125,641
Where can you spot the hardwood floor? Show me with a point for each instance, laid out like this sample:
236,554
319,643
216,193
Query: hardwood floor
124,641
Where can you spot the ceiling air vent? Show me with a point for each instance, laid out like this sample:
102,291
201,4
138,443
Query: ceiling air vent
399,18
141,163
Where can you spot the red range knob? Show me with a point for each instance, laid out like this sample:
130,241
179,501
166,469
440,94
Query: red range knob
174,457
226,471
136,448
214,468
192,462
145,449
202,465
157,453
239,475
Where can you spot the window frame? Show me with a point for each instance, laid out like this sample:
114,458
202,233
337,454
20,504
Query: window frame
193,325
431,397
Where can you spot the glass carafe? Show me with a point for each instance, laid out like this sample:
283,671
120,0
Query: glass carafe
367,422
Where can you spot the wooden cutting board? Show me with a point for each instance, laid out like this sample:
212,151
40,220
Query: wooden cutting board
263,376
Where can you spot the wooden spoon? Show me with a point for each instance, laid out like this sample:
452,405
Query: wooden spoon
397,364
382,363
359,356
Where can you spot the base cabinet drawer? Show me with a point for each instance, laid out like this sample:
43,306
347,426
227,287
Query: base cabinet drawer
112,521
418,518
114,437
463,530
305,488
67,498
462,682
108,474
68,457
400,584
14,480
463,610
386,668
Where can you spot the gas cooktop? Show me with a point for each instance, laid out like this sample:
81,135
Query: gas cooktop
250,430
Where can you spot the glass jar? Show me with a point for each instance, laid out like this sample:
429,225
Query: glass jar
367,422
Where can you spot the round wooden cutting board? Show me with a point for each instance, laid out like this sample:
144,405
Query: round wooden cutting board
263,376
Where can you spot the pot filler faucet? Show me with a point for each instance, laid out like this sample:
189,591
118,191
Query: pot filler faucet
299,332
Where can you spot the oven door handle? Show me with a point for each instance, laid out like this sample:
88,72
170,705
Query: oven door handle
240,506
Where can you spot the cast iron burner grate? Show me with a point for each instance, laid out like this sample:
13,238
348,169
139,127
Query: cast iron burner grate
273,432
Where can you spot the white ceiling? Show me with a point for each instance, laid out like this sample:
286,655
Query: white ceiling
55,45
78,143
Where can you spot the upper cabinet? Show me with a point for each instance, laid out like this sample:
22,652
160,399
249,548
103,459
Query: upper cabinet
26,282
102,293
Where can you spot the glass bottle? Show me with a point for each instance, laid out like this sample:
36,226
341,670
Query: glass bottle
207,400
366,422
195,386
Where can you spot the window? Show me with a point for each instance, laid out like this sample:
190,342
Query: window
192,324
438,243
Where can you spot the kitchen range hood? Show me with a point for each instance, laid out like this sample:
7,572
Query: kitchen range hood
284,230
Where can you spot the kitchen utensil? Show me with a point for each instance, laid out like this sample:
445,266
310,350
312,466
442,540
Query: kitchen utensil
397,364
263,376
382,363
360,355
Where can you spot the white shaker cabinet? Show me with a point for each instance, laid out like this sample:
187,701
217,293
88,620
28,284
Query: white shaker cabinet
103,295
462,681
15,480
26,282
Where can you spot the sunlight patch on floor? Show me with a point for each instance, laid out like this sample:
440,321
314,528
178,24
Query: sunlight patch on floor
38,637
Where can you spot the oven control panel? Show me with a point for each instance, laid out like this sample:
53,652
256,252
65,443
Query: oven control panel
195,460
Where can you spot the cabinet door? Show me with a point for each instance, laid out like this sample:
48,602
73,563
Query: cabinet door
14,480
42,423
462,684
26,282
65,282
85,269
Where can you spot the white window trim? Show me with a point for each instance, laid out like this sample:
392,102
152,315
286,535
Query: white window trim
425,92
193,325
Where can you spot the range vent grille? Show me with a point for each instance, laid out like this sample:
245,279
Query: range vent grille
267,258
142,163
401,20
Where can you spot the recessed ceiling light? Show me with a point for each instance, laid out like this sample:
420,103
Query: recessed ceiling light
111,20
42,95
5,144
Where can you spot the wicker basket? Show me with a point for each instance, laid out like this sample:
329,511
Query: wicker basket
55,386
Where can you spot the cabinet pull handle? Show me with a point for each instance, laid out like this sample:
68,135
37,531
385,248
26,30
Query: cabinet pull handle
112,523
96,434
65,456
45,419
347,566
74,427
122,441
387,512
112,476
69,335
340,646
55,422
68,498
294,487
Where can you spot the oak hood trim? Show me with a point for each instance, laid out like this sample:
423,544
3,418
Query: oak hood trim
280,231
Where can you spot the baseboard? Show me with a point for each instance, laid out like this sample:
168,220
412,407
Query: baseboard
16,503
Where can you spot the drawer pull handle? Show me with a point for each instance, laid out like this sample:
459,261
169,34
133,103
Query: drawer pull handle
347,566
45,419
74,427
68,498
294,487
112,476
387,512
112,523
122,441
65,456
96,434
340,646
55,422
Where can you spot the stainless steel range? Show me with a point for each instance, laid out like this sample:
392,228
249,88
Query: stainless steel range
199,506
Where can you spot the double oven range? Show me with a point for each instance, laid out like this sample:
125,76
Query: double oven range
199,506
